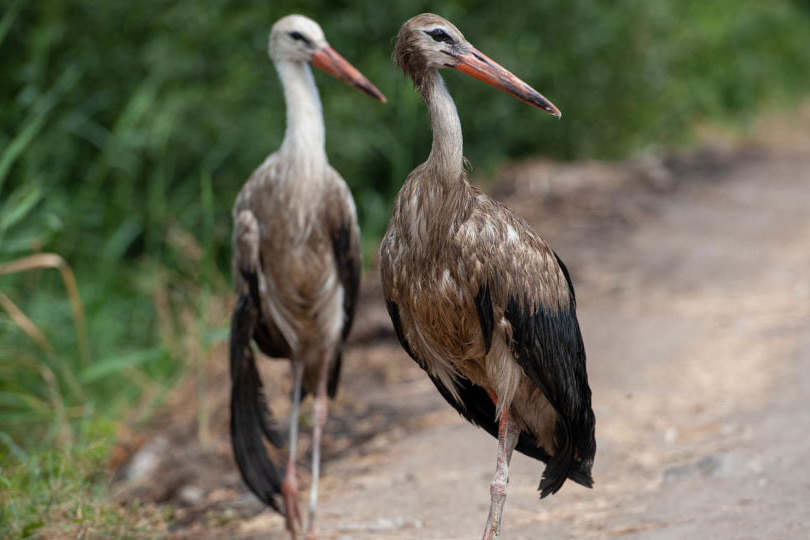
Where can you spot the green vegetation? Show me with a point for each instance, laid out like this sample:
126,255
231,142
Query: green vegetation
127,128
58,493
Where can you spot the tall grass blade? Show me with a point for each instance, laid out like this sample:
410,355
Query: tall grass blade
9,443
35,121
19,204
25,324
52,260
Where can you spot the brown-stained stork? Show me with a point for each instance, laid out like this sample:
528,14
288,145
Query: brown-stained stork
478,299
297,264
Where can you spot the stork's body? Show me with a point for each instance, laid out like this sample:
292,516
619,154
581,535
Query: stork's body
476,297
296,262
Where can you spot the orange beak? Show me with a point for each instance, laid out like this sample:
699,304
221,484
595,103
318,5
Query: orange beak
331,62
484,68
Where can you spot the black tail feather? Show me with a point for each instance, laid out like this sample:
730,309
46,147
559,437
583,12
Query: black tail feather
563,465
581,476
556,474
250,416
334,373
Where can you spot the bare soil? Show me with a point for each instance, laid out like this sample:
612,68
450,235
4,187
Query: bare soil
693,284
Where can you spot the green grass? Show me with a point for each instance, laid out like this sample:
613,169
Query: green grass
59,493
59,413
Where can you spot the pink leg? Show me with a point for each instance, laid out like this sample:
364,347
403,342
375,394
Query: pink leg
508,433
320,409
289,487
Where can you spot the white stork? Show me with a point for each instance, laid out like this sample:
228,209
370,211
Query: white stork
476,297
296,261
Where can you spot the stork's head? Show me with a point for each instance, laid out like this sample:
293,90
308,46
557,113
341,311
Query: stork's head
428,42
296,38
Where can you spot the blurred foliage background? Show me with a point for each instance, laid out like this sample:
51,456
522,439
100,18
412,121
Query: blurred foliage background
127,128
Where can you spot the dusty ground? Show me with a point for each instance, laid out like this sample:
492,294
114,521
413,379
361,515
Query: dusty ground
693,281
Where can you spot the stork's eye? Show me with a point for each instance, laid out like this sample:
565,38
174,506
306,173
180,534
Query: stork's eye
439,34
298,36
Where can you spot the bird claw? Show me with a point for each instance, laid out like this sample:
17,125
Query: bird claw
292,515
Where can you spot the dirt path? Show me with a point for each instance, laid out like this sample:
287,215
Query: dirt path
693,281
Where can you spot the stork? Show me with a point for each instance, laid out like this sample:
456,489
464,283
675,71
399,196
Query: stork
478,299
296,262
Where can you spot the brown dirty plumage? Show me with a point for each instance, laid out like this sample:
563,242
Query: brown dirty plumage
477,298
296,267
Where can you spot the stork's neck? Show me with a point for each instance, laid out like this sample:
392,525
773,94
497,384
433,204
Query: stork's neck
305,135
446,155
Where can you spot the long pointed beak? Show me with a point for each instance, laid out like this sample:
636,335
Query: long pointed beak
329,60
475,63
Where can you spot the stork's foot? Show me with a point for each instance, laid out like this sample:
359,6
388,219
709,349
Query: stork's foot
292,515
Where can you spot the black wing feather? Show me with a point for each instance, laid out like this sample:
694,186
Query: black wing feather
483,305
567,278
547,343
476,405
349,268
267,337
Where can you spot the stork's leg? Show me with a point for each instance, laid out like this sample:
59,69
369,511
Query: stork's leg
320,407
508,432
289,487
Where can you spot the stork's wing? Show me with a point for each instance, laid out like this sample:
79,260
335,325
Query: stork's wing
475,405
345,237
346,246
265,333
247,267
547,343
249,210
514,275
